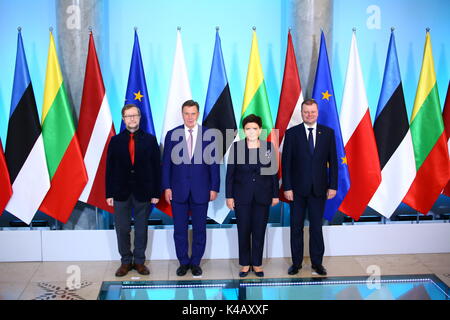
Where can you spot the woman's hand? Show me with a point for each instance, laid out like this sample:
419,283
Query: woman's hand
168,195
275,201
230,203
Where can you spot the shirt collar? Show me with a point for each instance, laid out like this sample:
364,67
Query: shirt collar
314,126
194,129
137,132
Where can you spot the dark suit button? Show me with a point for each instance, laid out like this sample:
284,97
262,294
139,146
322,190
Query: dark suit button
254,180
132,171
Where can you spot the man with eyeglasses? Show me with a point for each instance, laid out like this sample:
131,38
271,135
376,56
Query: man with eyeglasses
132,185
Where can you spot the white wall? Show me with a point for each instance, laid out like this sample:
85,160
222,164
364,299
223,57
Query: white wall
101,245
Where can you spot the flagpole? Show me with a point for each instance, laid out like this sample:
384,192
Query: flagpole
96,219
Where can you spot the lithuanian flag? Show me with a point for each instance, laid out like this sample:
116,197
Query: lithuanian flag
255,95
64,159
429,139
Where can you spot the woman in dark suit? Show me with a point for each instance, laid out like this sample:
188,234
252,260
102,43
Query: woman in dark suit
251,188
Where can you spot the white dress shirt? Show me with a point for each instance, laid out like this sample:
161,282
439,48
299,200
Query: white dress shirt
314,132
194,136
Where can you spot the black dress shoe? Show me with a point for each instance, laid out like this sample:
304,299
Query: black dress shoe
259,274
243,274
196,270
182,269
319,269
293,270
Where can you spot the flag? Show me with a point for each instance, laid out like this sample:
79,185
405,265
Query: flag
219,114
323,94
393,137
429,139
95,129
255,94
137,89
359,140
65,164
446,117
5,183
289,108
24,150
179,92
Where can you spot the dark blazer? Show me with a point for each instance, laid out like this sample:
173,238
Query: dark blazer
197,177
303,171
143,179
244,180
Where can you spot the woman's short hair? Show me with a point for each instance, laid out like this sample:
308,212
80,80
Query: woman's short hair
252,118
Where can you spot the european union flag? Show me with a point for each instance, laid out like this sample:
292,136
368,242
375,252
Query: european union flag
323,93
137,90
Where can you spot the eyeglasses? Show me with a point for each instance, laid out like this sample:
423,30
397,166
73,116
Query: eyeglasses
131,116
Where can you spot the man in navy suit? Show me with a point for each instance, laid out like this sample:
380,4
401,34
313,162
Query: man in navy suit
309,174
132,182
190,179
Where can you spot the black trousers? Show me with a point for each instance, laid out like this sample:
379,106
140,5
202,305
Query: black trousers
122,221
251,224
314,206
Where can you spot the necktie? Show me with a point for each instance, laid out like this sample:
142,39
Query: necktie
190,142
131,147
311,140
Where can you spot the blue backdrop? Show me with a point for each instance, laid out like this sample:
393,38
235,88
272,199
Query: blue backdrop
157,22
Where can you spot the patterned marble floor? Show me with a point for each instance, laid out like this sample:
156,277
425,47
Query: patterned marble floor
77,280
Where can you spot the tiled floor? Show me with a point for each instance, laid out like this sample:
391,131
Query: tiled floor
51,280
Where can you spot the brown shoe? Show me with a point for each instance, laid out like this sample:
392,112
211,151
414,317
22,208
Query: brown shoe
141,269
123,269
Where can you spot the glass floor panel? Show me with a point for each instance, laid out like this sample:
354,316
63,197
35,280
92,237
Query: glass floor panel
405,287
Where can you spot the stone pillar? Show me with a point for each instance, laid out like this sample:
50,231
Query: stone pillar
74,17
309,18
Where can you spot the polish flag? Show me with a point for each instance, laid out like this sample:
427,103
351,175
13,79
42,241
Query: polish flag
359,140
179,92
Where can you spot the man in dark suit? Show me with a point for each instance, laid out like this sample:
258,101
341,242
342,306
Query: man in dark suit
309,174
190,179
132,182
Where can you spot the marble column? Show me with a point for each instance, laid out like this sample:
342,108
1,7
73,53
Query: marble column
74,18
309,17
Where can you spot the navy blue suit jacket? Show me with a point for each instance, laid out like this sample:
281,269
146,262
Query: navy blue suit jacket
197,177
143,179
245,181
303,172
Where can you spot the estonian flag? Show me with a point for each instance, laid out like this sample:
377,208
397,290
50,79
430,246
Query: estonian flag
394,141
25,153
219,114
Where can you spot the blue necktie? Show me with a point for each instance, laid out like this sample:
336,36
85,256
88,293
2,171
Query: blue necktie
311,140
